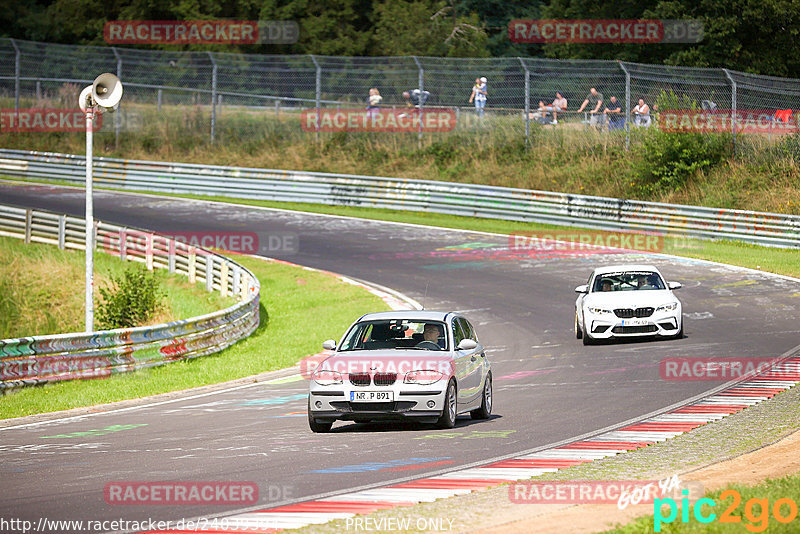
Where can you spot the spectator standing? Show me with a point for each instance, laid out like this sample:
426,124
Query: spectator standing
559,104
616,120
478,95
374,101
594,99
641,114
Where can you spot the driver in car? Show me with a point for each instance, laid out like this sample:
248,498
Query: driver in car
430,337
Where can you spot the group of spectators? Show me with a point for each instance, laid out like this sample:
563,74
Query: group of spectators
612,112
593,102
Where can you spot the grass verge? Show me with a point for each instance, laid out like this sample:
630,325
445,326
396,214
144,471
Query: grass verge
299,310
569,158
38,293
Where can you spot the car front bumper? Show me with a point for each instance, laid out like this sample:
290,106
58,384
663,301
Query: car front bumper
425,403
606,327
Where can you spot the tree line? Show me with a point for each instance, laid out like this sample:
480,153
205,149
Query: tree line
758,36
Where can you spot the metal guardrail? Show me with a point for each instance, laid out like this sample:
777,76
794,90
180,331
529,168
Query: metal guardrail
41,359
770,229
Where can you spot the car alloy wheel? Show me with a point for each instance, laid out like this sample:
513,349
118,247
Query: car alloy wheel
485,411
449,410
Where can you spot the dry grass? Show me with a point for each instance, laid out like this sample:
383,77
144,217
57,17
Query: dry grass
566,158
41,290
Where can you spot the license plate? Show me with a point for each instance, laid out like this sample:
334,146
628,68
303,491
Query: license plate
634,322
372,396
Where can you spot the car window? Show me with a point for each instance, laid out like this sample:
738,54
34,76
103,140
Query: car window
391,334
628,281
469,331
458,331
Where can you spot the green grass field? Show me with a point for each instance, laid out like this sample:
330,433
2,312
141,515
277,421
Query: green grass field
299,310
38,294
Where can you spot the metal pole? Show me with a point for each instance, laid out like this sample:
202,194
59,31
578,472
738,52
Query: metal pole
116,115
213,95
527,101
89,302
159,99
319,91
421,84
17,59
627,106
733,107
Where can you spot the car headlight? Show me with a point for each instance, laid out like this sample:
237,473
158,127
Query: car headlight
599,311
327,378
423,377
668,307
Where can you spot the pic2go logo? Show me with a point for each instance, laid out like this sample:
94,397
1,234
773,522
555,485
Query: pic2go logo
756,511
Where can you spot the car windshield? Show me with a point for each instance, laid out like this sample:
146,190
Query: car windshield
396,334
628,281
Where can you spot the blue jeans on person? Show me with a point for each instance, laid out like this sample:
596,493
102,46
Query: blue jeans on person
616,123
479,105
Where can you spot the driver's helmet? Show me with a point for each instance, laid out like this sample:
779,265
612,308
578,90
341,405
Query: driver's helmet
604,282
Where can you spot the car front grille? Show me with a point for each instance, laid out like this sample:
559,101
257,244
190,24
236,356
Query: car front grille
646,329
384,379
627,313
360,379
397,406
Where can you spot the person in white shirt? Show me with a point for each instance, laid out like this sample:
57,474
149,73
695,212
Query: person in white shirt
479,95
641,114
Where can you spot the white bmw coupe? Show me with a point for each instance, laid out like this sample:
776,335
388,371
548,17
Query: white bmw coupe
627,301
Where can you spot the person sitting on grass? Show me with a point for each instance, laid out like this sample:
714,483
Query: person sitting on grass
559,104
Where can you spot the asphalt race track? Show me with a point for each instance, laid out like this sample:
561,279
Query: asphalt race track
548,386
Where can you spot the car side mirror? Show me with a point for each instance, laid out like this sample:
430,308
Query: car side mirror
674,285
467,344
582,289
329,344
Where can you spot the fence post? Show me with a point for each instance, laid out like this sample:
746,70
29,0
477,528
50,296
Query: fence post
28,224
209,272
527,101
17,59
319,90
159,99
213,95
733,107
116,115
627,106
62,231
421,84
